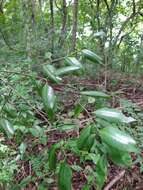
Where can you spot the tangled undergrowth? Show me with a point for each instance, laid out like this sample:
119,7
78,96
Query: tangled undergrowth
44,138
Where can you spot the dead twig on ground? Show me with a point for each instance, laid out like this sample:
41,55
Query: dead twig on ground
115,180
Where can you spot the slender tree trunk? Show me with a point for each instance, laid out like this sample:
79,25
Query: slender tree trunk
27,26
52,25
40,4
33,14
75,22
64,21
1,6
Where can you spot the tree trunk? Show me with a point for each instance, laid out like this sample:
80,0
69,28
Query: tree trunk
52,25
74,30
64,21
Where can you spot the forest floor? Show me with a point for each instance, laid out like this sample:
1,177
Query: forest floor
126,88
122,87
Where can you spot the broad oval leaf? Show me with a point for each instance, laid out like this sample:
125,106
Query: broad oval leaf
49,99
120,158
101,172
53,157
95,94
91,56
113,115
85,133
65,177
117,139
22,148
73,61
7,127
66,70
50,72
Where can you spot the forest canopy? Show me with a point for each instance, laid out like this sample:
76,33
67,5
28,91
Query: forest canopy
111,28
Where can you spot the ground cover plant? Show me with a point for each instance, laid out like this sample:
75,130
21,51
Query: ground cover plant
71,95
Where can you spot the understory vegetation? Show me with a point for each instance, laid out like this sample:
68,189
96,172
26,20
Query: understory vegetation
71,95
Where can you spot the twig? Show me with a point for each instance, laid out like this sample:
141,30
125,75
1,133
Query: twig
115,180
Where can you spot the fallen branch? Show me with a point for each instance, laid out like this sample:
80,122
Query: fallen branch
115,180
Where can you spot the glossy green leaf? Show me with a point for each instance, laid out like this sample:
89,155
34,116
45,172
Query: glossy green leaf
113,115
101,172
22,148
39,85
117,139
85,133
73,61
89,142
66,70
7,127
53,156
49,99
120,158
95,94
65,177
91,56
50,72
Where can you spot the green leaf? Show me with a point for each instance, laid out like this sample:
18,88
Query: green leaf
118,139
10,110
53,157
78,109
93,157
65,177
22,148
86,187
120,158
7,127
67,127
91,56
25,181
73,61
37,131
76,168
39,86
66,70
85,133
113,115
95,94
48,55
89,142
49,99
50,72
101,172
